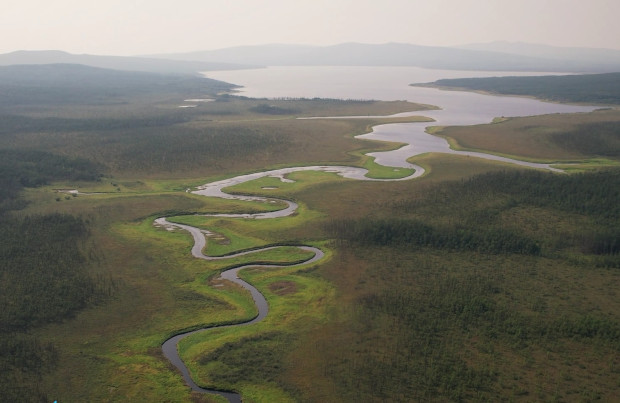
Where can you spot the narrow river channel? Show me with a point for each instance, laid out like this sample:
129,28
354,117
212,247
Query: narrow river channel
216,189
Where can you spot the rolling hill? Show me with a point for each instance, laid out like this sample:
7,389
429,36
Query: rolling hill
402,54
155,65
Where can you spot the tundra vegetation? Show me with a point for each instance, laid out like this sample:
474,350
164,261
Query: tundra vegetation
584,88
478,282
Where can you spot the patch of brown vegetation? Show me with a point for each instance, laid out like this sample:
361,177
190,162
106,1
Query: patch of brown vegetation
283,287
220,239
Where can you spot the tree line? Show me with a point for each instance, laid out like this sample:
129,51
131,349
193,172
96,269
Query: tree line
590,88
15,124
413,233
22,168
478,203
74,84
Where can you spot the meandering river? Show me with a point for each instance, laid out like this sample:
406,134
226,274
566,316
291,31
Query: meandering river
170,346
216,189
381,83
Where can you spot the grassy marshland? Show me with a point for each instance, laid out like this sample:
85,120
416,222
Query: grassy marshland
479,281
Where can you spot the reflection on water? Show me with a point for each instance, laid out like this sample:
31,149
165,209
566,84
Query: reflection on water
389,84
380,83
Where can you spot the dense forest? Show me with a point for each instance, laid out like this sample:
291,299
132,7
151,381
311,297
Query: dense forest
452,277
31,168
593,195
44,278
71,84
586,88
44,273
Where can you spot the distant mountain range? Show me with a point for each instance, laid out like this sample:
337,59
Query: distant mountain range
500,56
495,56
578,59
153,65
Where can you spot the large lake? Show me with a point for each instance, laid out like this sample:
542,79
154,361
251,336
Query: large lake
389,84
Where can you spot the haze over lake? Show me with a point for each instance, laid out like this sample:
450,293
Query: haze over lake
389,84
356,82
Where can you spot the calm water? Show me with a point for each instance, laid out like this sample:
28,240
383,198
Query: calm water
381,83
389,84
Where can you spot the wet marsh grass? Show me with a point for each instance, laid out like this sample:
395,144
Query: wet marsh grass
152,303
163,290
293,182
377,171
302,307
541,138
223,240
230,108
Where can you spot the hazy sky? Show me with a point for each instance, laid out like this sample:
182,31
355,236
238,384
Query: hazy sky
127,27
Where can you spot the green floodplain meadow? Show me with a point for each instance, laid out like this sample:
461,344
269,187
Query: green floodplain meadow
480,281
